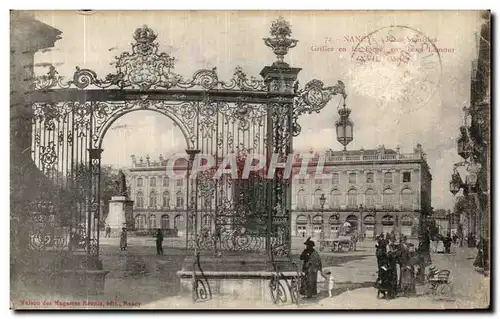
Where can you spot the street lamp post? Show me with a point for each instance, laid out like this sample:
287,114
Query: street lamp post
322,201
361,235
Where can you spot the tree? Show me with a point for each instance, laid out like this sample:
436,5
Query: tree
72,192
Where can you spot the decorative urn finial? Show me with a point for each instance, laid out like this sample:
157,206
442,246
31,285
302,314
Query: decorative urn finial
281,41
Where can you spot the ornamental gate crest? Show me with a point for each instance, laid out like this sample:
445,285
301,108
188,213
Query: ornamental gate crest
241,116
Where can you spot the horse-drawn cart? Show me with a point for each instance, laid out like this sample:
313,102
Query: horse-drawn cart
340,244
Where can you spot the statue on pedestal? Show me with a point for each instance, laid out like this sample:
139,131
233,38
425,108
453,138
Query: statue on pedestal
121,184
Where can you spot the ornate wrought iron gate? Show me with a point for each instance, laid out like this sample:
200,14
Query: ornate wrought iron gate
227,119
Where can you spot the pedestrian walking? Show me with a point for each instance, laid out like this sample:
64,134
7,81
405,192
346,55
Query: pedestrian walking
447,243
312,265
123,239
108,231
159,242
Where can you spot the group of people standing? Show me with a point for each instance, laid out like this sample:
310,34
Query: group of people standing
393,255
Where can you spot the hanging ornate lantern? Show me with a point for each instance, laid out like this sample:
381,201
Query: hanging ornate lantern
463,144
344,127
455,183
473,172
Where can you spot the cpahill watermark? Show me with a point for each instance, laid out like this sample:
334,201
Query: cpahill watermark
237,167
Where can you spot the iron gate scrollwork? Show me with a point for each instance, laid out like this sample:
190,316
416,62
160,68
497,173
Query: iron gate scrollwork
230,120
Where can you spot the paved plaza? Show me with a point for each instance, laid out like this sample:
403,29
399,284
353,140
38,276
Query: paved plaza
135,280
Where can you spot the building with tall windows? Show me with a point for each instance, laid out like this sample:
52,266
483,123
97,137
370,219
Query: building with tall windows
159,202
371,191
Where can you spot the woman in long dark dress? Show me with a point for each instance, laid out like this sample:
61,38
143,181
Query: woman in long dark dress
311,267
392,274
408,261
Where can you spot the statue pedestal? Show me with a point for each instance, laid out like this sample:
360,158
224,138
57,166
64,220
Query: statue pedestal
120,214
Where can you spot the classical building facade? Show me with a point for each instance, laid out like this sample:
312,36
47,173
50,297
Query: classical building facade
373,190
159,202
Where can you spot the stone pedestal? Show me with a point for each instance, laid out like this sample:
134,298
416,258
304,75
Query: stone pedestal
238,276
120,214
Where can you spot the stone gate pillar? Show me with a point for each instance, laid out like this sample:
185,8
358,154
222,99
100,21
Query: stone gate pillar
27,36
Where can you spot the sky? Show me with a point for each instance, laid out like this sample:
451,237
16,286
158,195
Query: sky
226,39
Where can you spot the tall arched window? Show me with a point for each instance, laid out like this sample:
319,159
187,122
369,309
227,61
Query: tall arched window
388,199
370,198
165,221
301,199
352,198
152,199
178,221
179,200
140,222
152,221
166,181
317,196
139,182
166,199
335,198
152,182
139,200
406,199
387,178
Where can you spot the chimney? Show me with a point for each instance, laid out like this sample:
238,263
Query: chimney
134,161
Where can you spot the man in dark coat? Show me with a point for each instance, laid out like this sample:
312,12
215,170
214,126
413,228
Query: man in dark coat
159,242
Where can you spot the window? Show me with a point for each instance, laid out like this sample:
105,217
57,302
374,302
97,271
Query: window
387,178
406,177
178,220
335,199
152,199
406,199
369,178
180,182
152,182
140,222
166,181
317,181
139,200
370,198
301,199
352,178
335,179
352,198
302,181
317,196
388,199
179,200
166,199
139,182
152,221
165,222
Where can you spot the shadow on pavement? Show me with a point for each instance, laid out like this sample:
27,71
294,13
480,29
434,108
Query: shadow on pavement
340,289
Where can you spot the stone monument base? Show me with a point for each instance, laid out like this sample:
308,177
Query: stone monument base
238,276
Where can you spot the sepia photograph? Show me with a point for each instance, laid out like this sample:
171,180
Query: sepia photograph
220,160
